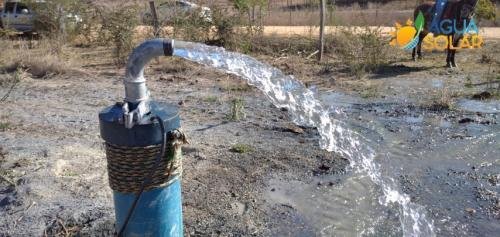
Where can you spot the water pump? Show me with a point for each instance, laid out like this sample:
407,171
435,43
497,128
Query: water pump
143,150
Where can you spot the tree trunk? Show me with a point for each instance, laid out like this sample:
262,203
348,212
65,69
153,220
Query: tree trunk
322,30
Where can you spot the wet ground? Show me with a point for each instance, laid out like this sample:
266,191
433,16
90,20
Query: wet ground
447,161
444,153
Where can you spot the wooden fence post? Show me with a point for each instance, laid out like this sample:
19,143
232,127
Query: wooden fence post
156,24
322,30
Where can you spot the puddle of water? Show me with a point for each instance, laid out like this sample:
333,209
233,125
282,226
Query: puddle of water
414,119
345,208
450,168
479,106
437,83
443,165
339,99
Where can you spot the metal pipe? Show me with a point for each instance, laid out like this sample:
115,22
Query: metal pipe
136,104
135,83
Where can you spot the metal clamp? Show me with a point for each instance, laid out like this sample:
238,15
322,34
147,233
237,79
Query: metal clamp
136,116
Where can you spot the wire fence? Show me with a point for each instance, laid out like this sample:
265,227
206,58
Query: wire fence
339,12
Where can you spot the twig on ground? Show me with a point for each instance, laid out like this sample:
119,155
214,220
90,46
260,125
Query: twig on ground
8,92
7,180
66,233
311,55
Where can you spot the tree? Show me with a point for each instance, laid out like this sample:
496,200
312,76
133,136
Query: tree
485,10
250,7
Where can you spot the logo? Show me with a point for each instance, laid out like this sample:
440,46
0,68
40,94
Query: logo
448,26
407,37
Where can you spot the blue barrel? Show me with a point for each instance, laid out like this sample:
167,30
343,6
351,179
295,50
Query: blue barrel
159,209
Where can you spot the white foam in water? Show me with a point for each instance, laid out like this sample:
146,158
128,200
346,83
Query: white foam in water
287,92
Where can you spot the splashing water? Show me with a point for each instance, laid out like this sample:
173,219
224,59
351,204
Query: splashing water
287,92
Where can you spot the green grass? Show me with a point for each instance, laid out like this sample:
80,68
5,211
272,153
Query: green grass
211,99
241,148
370,92
237,110
495,93
2,155
69,174
4,126
468,82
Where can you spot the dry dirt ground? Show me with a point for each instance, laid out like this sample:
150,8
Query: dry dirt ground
53,168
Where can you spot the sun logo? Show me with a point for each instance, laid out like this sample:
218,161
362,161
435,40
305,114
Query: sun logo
406,37
403,34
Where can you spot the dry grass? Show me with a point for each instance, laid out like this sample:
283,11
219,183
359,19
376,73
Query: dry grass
341,17
45,58
441,99
280,46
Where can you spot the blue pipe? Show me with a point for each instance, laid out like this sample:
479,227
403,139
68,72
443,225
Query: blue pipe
158,212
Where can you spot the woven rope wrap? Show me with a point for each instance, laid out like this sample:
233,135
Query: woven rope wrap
129,166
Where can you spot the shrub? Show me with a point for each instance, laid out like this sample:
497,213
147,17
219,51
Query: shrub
220,31
117,28
254,10
11,83
58,18
361,50
85,32
63,21
486,10
191,27
49,18
224,34
237,109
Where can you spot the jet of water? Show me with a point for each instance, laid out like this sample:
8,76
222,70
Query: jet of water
284,91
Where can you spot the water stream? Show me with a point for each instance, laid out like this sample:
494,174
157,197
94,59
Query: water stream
284,91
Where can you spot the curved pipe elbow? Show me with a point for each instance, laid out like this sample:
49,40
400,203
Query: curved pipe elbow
136,105
135,83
